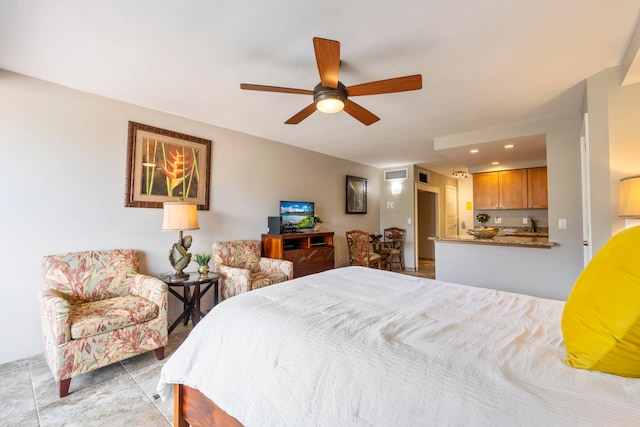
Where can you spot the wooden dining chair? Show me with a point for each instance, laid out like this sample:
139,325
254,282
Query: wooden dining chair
360,252
392,250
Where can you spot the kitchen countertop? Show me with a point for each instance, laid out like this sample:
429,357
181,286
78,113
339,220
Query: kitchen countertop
529,241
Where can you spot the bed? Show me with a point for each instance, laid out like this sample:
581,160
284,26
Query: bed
357,346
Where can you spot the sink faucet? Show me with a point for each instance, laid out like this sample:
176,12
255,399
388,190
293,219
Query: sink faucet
532,225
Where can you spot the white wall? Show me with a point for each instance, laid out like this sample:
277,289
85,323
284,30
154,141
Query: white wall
523,269
63,167
614,136
555,270
401,214
465,196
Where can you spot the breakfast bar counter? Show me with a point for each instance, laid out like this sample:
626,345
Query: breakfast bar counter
506,263
532,241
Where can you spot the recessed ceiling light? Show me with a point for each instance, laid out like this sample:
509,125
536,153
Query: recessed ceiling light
473,151
495,163
508,146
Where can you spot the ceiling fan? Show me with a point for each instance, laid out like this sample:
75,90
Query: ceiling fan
330,95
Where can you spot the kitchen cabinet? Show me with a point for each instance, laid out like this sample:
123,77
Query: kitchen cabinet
486,193
537,196
500,190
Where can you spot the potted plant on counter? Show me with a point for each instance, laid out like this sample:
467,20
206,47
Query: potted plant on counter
483,218
316,220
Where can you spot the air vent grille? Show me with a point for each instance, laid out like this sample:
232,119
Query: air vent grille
424,176
396,174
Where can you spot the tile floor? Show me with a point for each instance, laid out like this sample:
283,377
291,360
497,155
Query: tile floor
116,395
426,268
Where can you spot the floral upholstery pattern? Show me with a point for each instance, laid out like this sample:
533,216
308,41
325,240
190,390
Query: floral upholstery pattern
242,268
96,317
97,309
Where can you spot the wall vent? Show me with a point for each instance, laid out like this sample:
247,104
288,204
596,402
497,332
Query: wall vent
396,174
424,176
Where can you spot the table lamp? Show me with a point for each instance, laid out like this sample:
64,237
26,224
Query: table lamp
180,216
629,200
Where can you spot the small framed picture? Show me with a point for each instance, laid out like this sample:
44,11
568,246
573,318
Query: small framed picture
356,195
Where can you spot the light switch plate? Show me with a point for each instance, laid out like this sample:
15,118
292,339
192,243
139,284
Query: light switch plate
562,224
389,205
525,221
498,220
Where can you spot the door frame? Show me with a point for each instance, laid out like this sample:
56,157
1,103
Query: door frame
585,159
418,187
448,188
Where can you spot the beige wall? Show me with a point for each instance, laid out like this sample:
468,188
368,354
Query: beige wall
404,211
427,227
614,136
624,141
63,185
465,195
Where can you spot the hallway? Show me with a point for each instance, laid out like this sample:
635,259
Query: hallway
426,269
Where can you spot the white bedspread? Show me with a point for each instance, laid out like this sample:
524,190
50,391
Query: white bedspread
362,347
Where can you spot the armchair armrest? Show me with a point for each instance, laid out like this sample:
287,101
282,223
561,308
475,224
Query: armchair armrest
234,280
55,309
153,289
274,265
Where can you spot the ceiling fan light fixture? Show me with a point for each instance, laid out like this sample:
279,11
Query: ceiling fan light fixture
329,100
330,105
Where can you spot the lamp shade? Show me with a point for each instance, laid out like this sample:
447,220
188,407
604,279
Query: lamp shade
629,201
180,216
330,105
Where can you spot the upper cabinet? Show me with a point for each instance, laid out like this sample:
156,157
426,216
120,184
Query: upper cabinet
537,197
511,189
486,193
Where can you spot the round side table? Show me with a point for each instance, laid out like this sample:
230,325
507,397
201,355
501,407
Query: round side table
191,302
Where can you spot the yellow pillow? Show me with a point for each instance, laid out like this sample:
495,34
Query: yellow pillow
601,318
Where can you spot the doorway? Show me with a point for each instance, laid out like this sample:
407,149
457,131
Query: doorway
585,159
427,223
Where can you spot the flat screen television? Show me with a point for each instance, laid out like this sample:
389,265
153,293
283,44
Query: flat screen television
296,216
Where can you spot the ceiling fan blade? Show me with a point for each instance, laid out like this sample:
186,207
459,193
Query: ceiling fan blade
247,86
398,84
360,113
301,115
328,60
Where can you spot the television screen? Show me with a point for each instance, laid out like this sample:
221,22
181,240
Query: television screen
296,215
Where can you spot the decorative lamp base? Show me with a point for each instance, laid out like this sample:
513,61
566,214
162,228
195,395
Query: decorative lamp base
179,275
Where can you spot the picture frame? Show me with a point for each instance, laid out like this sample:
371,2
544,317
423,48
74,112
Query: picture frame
356,192
166,166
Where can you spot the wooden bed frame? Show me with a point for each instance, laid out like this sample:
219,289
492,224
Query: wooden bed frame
192,408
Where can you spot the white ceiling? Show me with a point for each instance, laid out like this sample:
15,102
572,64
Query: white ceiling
484,63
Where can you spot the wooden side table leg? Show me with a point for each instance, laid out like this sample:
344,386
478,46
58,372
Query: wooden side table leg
186,306
195,305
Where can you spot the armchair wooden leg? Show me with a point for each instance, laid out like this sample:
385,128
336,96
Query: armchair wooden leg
63,387
160,353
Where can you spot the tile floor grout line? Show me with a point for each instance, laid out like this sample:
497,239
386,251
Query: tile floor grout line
33,392
145,395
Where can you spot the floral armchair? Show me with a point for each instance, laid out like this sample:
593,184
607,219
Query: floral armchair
97,310
242,268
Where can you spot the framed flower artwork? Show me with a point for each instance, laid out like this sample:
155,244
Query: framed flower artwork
164,166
